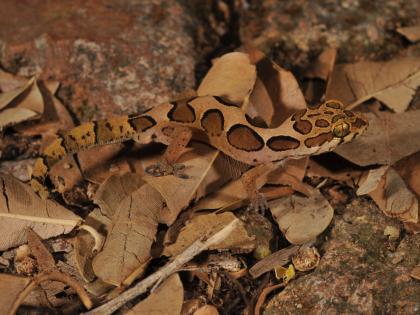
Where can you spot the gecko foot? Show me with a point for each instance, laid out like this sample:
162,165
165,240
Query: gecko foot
164,169
258,204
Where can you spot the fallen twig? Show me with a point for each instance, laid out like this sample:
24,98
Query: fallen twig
156,278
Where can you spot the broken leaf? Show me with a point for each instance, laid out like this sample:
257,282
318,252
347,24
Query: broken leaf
279,258
393,82
115,188
55,116
231,77
179,192
409,170
21,207
111,162
307,258
202,225
389,138
126,251
276,94
412,33
207,310
323,65
166,299
394,198
21,104
43,257
302,219
371,180
10,288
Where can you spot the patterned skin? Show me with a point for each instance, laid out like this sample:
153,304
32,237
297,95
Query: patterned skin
223,125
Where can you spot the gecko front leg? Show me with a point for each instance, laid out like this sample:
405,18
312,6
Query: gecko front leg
252,181
179,139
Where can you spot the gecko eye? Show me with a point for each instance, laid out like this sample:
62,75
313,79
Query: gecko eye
341,130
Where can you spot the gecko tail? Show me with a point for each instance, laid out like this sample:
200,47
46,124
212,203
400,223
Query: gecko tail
80,138
38,178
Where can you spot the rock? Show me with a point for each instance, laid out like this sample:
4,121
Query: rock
357,273
116,56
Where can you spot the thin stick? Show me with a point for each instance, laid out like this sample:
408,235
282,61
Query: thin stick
54,275
194,249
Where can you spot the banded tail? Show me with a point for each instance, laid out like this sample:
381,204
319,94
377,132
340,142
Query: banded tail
83,137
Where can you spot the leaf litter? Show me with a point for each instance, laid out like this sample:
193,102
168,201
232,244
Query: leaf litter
133,208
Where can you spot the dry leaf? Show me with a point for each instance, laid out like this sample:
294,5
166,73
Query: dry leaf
190,306
393,83
279,258
179,192
7,97
207,310
65,175
317,76
222,170
389,138
307,258
10,288
9,82
167,299
409,170
231,77
13,116
43,257
302,219
126,251
210,224
333,166
276,94
111,162
371,180
412,33
394,198
114,189
55,117
21,104
84,244
323,65
415,273
21,207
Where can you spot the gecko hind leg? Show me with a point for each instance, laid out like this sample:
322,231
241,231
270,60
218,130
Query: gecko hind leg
168,166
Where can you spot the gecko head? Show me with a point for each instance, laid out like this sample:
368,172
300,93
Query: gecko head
323,127
346,124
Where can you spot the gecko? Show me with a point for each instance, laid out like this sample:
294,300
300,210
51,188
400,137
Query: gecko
212,119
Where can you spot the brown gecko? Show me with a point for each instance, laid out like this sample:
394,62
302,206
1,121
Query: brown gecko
223,125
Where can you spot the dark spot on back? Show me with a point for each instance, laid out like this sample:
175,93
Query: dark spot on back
282,143
359,123
337,117
314,115
302,126
244,138
319,140
315,106
298,115
213,122
349,113
322,123
332,104
328,112
183,113
168,131
141,123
